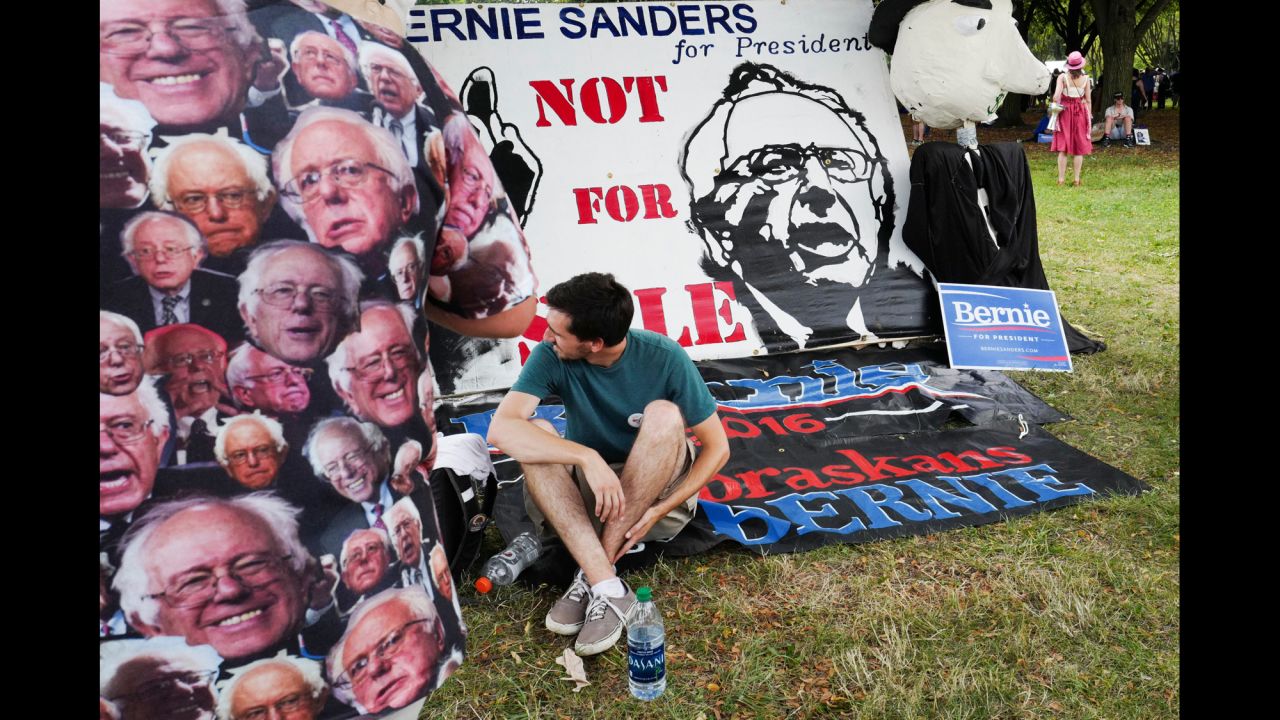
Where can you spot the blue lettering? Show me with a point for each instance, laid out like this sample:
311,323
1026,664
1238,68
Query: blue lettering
933,497
1041,485
1000,491
874,509
474,20
572,16
718,15
729,523
788,390
802,517
878,377
635,22
528,23
688,19
654,11
768,393
601,21
846,381
446,19
746,19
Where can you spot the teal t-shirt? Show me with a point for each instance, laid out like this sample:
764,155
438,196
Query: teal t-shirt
601,404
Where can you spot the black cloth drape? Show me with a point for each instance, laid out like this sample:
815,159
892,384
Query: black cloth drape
945,225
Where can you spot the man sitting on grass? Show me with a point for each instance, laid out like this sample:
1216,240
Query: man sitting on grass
1119,122
625,471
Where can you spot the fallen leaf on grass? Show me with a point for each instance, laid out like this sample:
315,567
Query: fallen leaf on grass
573,665
713,687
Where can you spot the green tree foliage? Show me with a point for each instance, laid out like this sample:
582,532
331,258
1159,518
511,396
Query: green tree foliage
1161,45
1121,25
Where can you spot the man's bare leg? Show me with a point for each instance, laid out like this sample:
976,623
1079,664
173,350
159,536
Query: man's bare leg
556,494
659,449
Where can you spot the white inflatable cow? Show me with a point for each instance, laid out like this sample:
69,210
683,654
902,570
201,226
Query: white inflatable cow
955,60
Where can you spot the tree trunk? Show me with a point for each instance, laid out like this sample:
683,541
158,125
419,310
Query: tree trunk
1010,112
1118,32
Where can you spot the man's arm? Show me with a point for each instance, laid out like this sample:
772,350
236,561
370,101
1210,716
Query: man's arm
506,324
513,433
712,456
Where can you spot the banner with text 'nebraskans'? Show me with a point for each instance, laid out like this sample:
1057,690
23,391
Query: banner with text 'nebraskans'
845,446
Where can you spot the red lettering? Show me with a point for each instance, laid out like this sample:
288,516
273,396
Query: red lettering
1009,454
803,423
731,425
704,314
773,425
614,94
593,105
707,317
652,317
840,475
629,201
587,206
926,464
648,97
751,479
562,105
725,311
805,479
878,470
732,490
657,203
622,204
983,461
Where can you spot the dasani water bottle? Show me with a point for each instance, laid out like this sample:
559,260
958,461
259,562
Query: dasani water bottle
646,648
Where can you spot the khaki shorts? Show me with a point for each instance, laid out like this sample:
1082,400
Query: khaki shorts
663,530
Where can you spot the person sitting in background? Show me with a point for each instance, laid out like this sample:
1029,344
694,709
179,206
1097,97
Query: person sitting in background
1119,122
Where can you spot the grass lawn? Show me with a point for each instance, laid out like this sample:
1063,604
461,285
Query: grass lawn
1067,614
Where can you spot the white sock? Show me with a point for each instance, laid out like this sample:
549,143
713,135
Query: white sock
612,587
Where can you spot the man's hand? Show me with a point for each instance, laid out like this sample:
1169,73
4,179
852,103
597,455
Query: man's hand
270,69
610,502
324,578
638,531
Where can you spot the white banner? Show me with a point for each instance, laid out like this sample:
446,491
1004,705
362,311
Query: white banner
607,122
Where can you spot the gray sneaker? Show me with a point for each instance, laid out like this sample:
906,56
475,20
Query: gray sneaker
567,615
606,617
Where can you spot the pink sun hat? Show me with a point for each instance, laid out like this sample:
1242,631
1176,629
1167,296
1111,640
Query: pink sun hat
1075,60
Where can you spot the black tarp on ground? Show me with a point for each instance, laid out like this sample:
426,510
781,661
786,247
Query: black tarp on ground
849,446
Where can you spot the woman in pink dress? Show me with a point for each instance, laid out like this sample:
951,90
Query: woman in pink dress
1072,136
